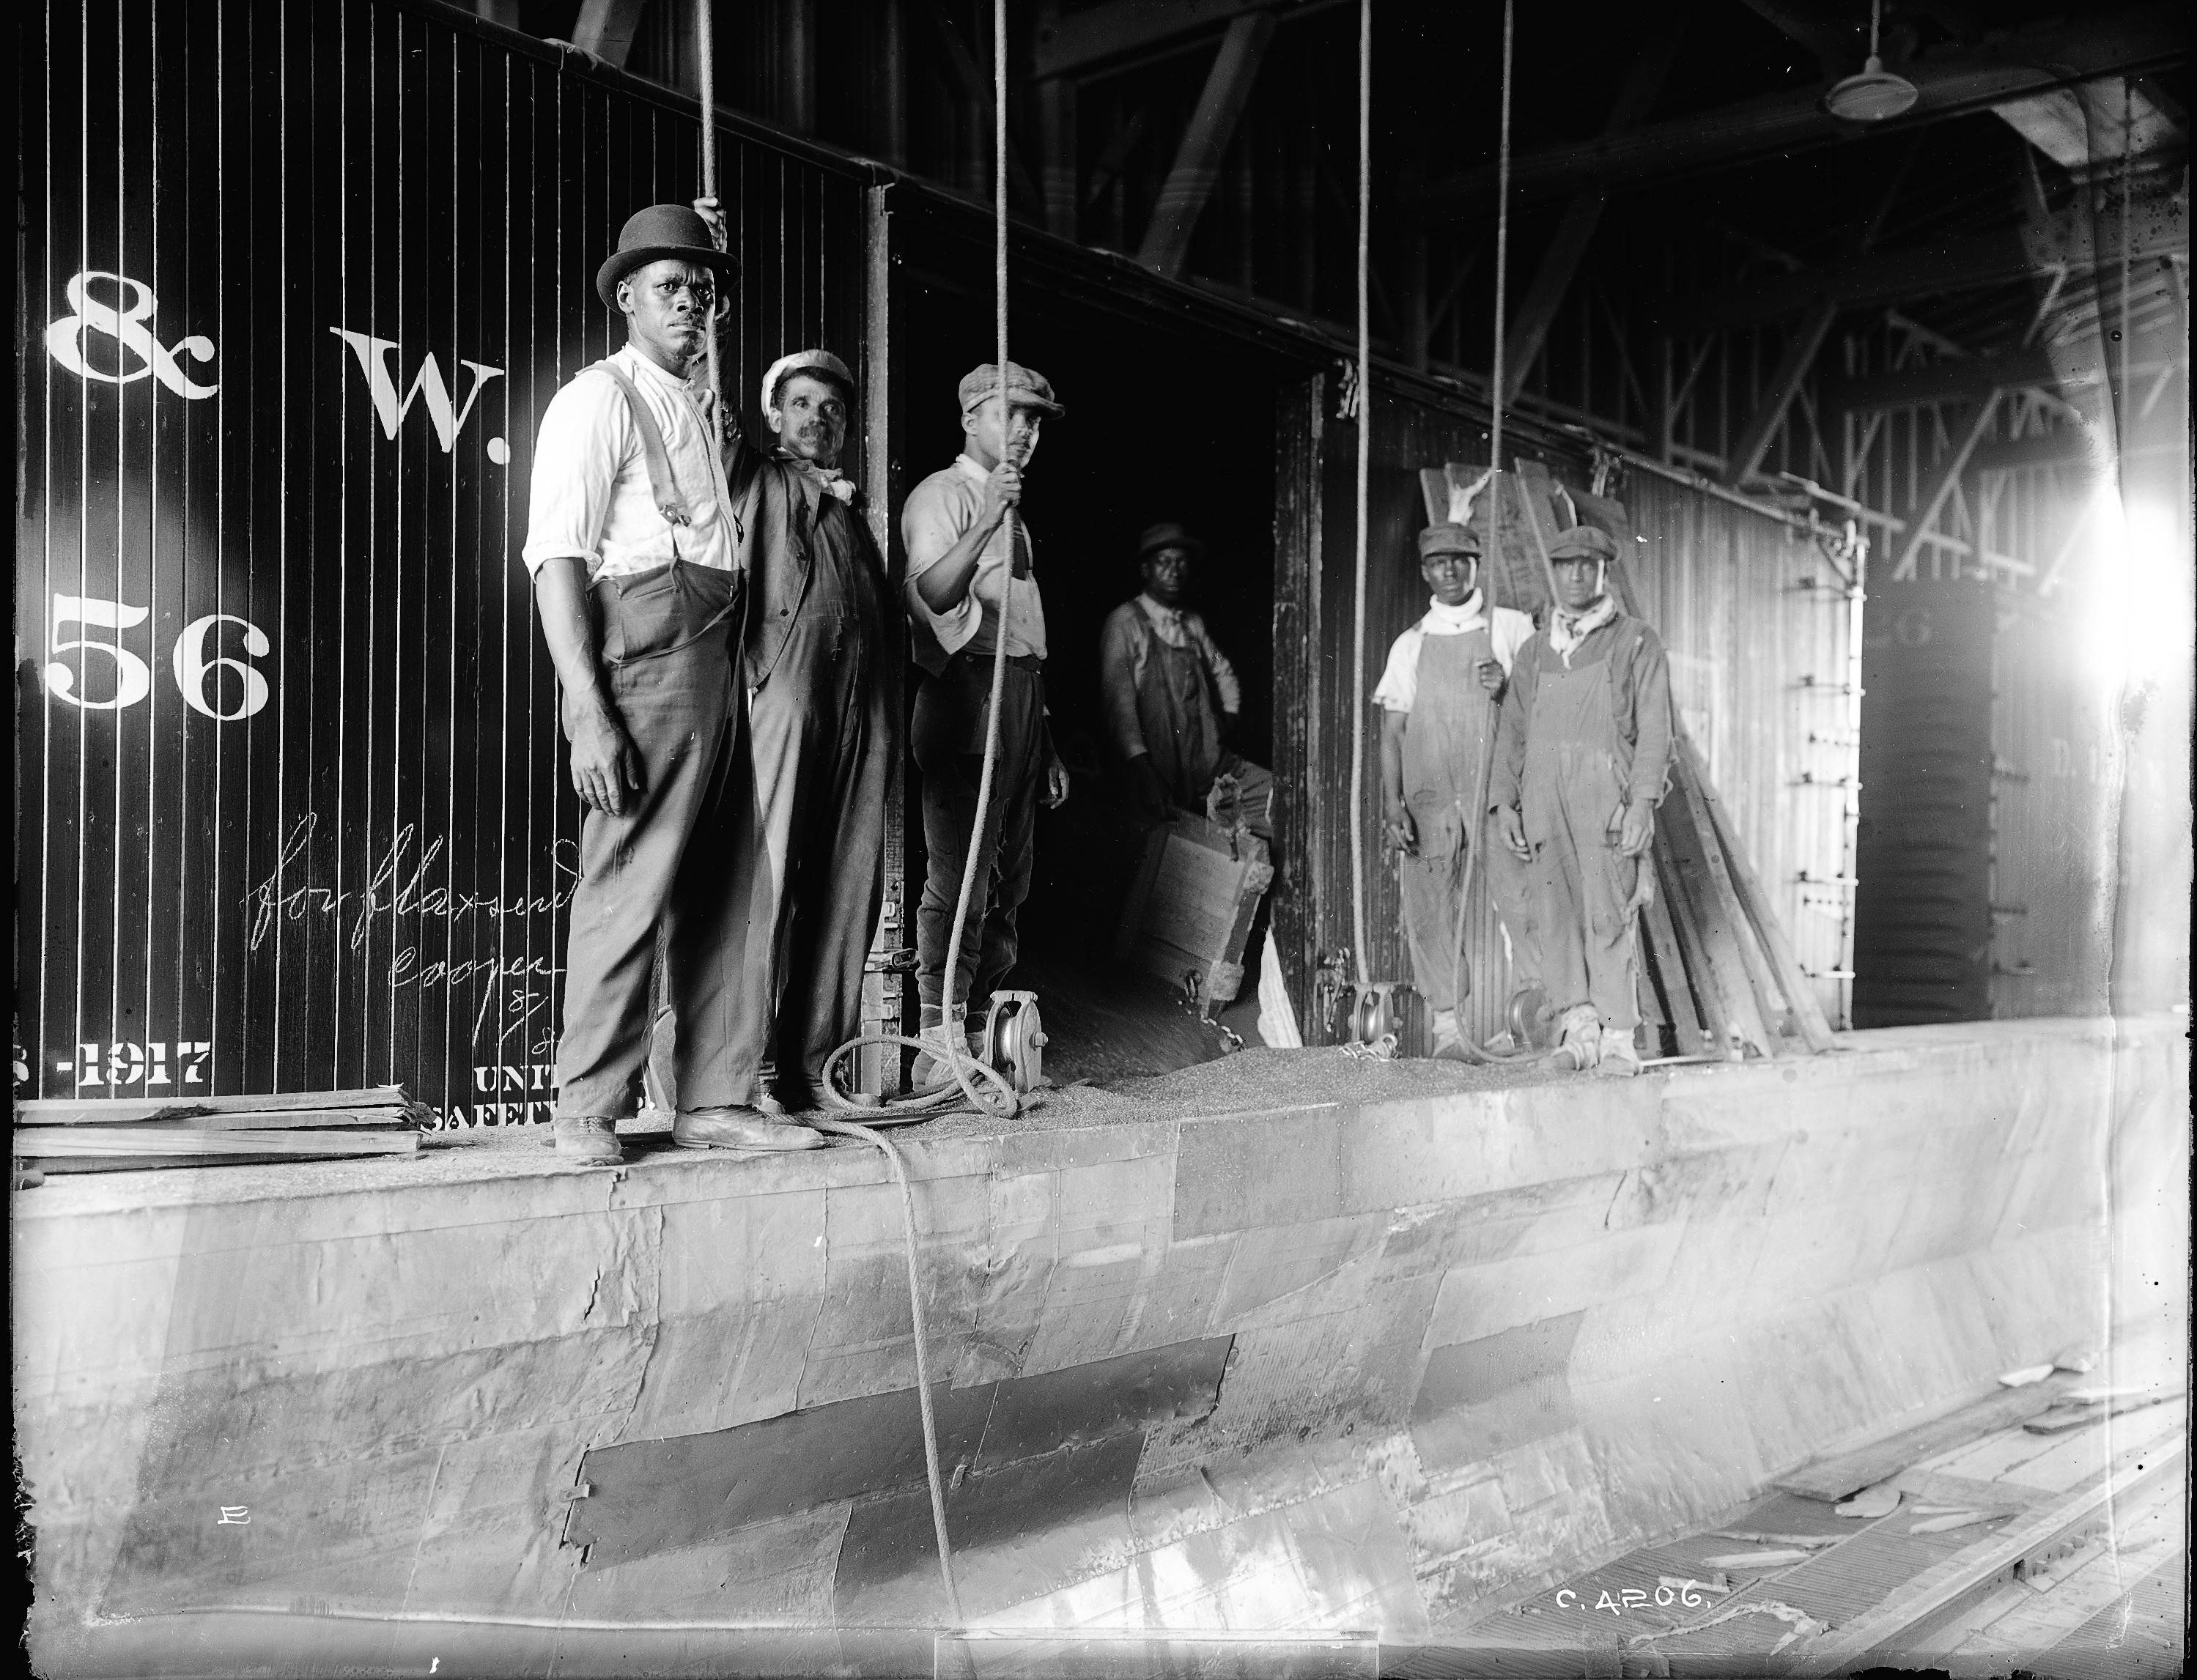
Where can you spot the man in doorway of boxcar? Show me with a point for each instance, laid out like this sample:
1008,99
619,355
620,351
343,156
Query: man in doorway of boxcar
1172,697
967,596
809,862
1440,699
1585,752
637,583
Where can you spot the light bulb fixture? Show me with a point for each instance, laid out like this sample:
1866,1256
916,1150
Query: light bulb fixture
1875,94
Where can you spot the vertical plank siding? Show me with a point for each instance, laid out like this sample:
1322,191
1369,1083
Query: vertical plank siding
291,808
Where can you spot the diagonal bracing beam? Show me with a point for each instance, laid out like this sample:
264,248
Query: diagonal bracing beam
1559,265
1205,142
1940,486
1800,348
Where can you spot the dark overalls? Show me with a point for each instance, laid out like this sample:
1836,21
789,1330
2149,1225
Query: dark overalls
657,871
1449,727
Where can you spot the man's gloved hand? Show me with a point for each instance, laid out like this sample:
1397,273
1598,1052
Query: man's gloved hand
1513,827
1149,791
606,770
1403,832
1632,825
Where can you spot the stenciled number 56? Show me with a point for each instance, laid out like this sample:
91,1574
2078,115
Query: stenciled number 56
194,671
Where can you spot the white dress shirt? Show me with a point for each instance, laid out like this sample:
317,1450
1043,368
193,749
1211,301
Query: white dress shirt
590,496
939,512
1399,683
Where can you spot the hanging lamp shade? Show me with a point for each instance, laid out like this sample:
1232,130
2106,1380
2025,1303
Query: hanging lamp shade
1875,94
1871,95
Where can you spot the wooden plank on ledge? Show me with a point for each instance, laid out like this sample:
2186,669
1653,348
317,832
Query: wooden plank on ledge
374,1105
40,1143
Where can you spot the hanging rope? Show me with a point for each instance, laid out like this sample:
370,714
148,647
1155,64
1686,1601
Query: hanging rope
705,48
1360,943
1496,387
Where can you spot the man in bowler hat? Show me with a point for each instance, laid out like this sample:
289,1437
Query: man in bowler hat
638,586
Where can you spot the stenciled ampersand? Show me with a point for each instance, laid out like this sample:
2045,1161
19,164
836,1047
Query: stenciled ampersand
65,338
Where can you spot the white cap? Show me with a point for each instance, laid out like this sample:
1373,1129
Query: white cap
821,361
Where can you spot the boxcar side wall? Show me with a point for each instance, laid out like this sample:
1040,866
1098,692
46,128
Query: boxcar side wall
293,293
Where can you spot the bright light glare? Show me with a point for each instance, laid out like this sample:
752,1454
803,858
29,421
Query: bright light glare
2134,594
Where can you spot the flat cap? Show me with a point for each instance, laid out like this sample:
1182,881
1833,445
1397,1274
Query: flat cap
1449,540
820,362
1583,542
1168,534
1027,388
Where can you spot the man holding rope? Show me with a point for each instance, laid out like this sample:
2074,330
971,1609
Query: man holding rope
1438,699
965,593
1581,766
638,583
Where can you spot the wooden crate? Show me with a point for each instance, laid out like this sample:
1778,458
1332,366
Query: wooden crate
1188,915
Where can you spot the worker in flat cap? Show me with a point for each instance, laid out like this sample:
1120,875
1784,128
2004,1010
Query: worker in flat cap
808,858
1439,697
1172,697
966,597
1583,764
638,584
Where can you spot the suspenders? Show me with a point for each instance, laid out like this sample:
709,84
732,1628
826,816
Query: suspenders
669,502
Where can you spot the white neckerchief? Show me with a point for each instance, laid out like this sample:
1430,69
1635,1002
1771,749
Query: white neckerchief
830,480
1467,614
1567,630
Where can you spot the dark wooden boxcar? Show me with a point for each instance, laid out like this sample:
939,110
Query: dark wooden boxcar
294,285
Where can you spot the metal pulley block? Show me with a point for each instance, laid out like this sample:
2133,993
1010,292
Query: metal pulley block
1014,1038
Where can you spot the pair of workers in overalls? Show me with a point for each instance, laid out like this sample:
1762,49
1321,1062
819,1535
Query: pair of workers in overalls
1543,751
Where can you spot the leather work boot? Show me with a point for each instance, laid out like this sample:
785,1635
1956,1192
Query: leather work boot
1582,1039
1618,1058
591,1136
740,1129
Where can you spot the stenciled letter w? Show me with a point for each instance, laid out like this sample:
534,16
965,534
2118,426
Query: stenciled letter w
374,355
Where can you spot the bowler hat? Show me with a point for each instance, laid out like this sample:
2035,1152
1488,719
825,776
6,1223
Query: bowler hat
1583,542
652,235
1027,388
1168,534
1449,540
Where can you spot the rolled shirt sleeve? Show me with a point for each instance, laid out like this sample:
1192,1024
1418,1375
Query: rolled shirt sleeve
577,453
1119,646
931,521
1399,682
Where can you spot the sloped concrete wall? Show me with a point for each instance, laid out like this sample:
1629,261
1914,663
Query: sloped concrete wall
1479,1341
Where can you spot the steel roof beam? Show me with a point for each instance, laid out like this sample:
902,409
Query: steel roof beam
1113,35
1952,82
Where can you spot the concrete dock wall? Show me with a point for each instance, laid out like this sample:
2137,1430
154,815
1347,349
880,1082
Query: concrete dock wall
1370,1365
